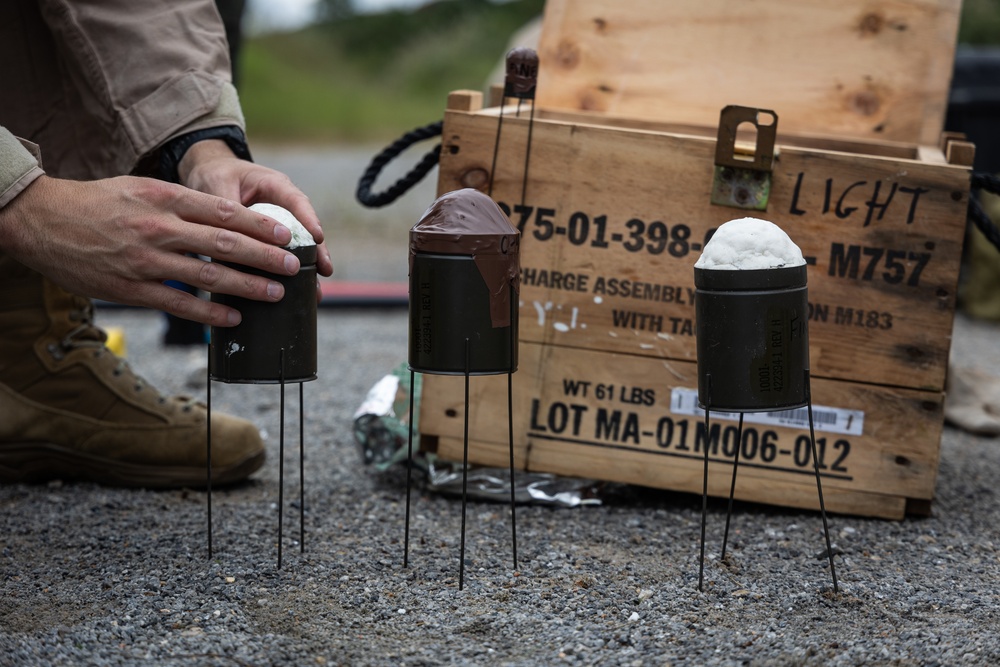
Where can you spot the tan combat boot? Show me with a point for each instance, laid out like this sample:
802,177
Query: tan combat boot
71,409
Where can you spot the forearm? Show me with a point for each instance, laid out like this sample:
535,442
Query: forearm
120,239
210,149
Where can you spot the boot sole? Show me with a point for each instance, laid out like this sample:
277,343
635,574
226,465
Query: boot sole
42,462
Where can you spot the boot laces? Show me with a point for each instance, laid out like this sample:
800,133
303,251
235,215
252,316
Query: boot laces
86,334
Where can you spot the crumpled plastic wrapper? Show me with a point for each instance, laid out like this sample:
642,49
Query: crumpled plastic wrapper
382,432
494,484
381,422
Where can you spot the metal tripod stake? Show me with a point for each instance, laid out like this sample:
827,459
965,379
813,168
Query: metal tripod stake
753,356
520,82
464,272
275,343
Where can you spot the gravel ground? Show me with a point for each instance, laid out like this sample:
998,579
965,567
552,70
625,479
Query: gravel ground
121,577
102,576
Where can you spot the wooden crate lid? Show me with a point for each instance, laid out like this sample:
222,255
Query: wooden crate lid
870,69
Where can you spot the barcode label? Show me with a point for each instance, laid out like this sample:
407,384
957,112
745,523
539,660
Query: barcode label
684,401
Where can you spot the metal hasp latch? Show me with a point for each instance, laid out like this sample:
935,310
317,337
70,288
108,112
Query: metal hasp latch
743,180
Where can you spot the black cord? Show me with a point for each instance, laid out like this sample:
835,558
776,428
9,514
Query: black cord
989,183
375,200
980,180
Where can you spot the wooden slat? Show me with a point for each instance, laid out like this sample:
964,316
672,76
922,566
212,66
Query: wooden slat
852,68
872,147
962,153
483,452
804,496
568,422
885,273
465,100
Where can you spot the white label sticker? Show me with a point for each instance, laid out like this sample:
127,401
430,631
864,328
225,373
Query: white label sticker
684,401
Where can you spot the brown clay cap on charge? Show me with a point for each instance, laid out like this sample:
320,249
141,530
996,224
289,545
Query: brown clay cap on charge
463,222
522,73
467,222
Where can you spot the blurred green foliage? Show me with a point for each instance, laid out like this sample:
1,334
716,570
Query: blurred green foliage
371,77
980,23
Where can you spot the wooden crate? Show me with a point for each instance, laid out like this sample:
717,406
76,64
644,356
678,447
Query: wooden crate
617,209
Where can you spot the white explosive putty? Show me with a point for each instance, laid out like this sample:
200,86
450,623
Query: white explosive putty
300,235
749,243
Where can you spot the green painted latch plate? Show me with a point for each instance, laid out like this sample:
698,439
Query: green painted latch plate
742,181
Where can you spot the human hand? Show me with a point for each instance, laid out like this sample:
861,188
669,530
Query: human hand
210,166
120,238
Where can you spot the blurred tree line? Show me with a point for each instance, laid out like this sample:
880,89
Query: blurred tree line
364,77
379,39
980,23
368,77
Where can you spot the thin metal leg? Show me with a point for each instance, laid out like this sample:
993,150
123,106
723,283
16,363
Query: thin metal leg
208,445
819,483
527,153
409,474
496,149
281,453
465,471
704,486
517,113
302,473
510,437
732,485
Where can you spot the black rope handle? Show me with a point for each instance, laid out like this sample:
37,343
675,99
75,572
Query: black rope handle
980,180
988,183
376,199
